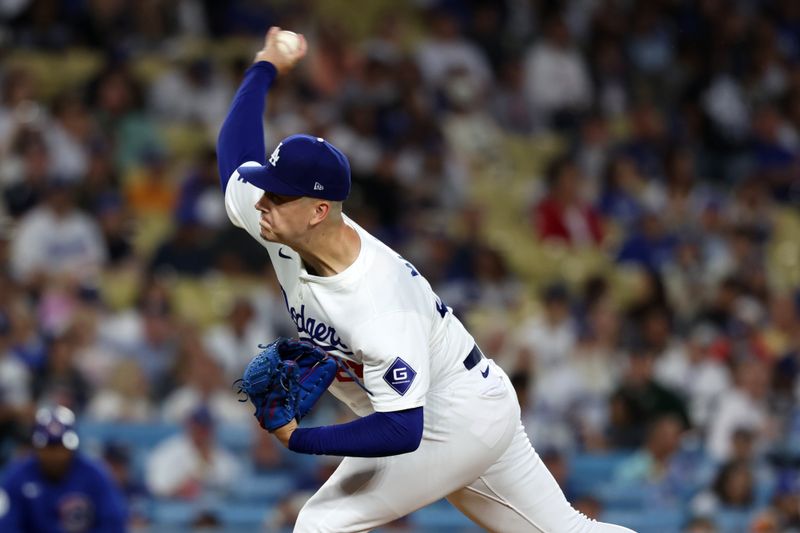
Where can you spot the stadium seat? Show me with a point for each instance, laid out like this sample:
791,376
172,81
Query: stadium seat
589,471
263,487
440,516
621,496
730,521
646,521
237,438
245,517
132,435
171,513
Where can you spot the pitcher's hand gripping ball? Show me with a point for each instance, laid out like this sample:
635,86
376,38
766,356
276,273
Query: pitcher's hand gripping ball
287,42
286,379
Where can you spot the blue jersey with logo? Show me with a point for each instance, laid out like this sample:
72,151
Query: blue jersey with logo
85,500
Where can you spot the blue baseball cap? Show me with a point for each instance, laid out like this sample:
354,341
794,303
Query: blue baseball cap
303,165
55,426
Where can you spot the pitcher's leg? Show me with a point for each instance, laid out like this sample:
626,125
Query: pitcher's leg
343,499
364,493
518,494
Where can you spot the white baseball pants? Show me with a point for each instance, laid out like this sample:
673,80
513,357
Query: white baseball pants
474,452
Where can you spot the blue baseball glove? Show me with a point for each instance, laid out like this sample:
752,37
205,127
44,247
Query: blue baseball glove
286,379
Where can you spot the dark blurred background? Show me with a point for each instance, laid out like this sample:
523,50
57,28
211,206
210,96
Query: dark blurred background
607,192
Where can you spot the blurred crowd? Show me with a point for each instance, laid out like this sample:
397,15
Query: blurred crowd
648,150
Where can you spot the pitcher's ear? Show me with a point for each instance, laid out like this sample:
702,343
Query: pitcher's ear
321,210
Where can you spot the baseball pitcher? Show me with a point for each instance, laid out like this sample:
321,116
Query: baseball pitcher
437,419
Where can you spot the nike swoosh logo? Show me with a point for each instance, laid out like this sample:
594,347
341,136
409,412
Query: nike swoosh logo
485,373
280,254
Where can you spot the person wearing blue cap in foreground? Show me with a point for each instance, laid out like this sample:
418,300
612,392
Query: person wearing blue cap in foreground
437,419
58,489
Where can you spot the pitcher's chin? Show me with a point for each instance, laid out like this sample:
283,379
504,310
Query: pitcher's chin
267,235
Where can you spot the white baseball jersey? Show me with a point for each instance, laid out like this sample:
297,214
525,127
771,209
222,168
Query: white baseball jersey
380,314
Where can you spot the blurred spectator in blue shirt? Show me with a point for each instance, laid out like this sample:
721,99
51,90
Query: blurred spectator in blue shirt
623,187
650,245
666,473
774,151
58,489
200,197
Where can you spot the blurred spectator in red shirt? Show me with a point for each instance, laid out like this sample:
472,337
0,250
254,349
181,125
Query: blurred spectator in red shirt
564,215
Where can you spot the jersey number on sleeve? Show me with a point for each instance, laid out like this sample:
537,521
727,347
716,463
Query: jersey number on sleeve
441,308
414,271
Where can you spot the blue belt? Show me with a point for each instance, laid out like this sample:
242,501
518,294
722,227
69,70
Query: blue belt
473,357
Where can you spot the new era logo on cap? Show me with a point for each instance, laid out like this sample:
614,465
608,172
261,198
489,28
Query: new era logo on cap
309,166
399,376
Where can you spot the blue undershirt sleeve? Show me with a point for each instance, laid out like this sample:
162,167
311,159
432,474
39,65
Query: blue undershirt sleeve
376,435
241,137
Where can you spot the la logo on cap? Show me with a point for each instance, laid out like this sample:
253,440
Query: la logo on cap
318,186
273,159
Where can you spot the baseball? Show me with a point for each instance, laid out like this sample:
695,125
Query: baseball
287,41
